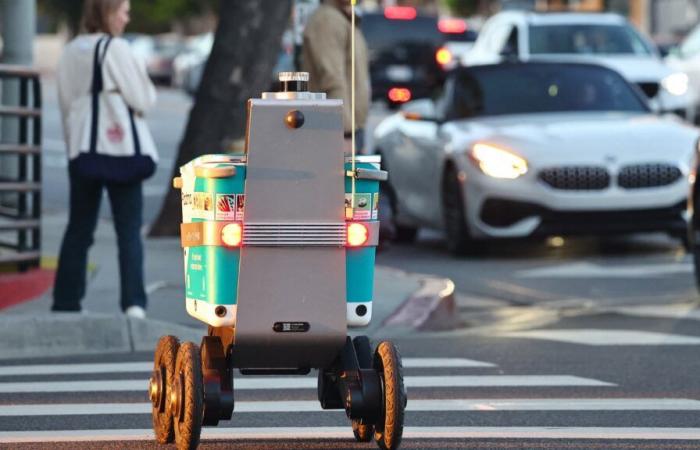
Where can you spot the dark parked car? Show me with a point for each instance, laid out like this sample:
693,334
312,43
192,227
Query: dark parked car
402,53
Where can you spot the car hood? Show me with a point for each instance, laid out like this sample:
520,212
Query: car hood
583,138
634,68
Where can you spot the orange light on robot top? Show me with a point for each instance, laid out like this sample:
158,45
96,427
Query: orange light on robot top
400,12
357,234
232,234
399,95
443,56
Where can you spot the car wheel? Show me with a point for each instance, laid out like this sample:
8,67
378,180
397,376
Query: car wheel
459,242
388,226
694,249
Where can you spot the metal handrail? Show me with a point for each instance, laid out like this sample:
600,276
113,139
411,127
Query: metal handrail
23,218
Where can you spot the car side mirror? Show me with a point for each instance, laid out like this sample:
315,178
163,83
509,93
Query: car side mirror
423,109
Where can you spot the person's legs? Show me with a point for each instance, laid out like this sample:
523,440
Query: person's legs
69,287
127,205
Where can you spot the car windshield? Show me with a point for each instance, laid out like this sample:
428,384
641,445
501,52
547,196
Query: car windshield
401,41
540,88
587,39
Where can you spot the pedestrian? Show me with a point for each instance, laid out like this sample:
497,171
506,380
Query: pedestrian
326,56
106,149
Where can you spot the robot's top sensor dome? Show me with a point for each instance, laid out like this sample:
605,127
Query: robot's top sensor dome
294,81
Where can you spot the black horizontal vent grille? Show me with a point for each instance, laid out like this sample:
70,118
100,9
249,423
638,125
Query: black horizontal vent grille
576,178
647,175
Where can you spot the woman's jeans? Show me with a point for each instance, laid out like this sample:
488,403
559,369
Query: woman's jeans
127,202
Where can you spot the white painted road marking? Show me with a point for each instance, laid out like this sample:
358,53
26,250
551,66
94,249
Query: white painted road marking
687,311
144,366
586,336
298,433
309,383
589,270
475,405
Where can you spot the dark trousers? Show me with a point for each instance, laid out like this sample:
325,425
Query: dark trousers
127,203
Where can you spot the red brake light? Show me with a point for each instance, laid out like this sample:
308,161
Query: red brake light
399,95
357,234
400,12
452,26
443,56
232,234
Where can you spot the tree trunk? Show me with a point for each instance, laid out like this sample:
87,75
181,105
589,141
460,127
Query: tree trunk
246,45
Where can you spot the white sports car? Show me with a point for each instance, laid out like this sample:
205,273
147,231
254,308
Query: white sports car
524,149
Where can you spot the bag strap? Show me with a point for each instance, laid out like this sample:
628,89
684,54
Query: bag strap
96,88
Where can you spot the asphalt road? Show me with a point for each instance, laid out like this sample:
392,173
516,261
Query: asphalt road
614,321
496,391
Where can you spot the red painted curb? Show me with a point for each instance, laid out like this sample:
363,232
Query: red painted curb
21,287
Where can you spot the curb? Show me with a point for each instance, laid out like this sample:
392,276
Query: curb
431,308
63,334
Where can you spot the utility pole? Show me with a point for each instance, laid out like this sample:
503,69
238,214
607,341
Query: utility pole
18,30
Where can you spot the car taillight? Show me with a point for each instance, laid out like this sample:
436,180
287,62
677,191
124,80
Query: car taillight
400,12
357,234
232,234
399,95
452,26
443,57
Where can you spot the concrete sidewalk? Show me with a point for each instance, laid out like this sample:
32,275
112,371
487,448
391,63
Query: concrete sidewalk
402,303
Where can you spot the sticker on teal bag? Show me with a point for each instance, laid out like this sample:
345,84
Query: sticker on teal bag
225,206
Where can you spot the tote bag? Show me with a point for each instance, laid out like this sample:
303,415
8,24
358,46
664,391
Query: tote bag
114,154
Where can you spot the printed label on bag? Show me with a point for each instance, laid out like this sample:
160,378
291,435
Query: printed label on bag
363,206
375,206
203,207
186,199
225,206
115,133
240,206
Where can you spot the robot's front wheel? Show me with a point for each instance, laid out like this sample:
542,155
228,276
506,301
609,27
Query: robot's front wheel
159,388
186,397
389,428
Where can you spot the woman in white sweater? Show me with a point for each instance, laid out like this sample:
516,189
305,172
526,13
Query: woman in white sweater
125,75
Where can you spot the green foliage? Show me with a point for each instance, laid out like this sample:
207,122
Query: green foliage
146,15
462,8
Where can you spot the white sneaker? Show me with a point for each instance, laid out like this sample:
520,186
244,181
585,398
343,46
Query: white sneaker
135,312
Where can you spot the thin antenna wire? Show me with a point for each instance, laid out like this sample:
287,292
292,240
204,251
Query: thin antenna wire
352,98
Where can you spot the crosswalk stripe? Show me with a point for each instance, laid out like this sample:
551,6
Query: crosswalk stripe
476,405
298,433
310,383
145,366
589,270
687,311
598,337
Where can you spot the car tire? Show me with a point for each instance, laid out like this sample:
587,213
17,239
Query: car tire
388,226
694,249
459,241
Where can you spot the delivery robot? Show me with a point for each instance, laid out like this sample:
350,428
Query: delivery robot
279,246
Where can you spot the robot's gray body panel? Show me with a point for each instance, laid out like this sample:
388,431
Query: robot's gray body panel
292,185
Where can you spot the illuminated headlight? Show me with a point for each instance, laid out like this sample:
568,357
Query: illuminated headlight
498,163
676,83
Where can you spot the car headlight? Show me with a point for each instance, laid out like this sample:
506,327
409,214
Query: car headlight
676,83
497,162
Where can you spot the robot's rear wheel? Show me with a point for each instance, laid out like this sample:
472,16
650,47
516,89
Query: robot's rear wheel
362,432
389,428
159,388
186,397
